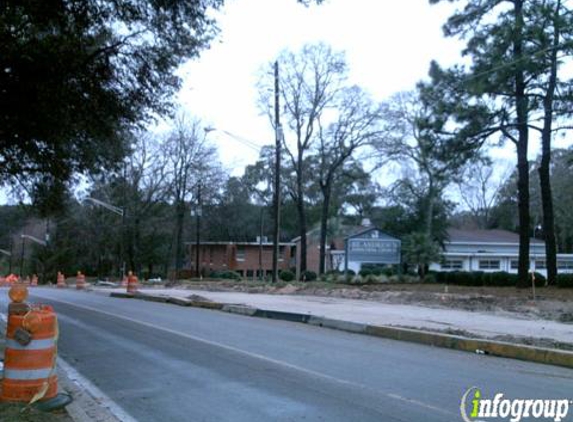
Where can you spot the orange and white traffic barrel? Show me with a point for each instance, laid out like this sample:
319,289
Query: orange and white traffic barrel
132,283
61,281
30,353
80,281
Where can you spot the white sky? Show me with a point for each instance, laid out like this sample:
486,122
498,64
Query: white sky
388,44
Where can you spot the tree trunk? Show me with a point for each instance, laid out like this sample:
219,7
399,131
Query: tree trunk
179,238
544,168
430,212
301,211
324,226
302,229
136,245
522,147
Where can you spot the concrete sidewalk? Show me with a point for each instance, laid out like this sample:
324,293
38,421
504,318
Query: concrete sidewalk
482,325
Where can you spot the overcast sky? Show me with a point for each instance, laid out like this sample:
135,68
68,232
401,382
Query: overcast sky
388,44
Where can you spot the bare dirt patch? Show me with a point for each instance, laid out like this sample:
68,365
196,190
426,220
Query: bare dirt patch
551,303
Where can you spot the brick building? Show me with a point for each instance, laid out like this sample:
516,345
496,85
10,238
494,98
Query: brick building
243,257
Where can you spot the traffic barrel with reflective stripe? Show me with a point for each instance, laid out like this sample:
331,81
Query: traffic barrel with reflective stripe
80,281
29,364
132,283
61,281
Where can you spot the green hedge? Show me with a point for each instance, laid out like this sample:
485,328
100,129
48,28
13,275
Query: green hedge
286,275
565,281
309,275
481,279
230,275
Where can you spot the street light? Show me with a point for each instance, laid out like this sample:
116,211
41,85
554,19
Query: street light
33,239
118,211
112,208
8,253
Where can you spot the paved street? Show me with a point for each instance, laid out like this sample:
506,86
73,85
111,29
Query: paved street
164,362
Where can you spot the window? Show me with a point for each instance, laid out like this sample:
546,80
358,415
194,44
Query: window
514,264
240,253
281,253
489,264
565,265
540,265
453,264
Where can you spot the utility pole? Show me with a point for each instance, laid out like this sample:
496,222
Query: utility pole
261,274
11,252
123,243
198,239
22,257
277,198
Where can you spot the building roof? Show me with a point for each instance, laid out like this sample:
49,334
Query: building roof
485,236
369,229
240,243
341,231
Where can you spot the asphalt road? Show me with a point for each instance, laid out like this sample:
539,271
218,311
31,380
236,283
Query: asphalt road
162,362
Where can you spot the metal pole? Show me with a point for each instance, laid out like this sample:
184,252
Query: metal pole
198,244
11,253
277,199
123,244
22,258
261,275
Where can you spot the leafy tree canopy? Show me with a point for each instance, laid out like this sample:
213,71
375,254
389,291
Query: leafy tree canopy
74,75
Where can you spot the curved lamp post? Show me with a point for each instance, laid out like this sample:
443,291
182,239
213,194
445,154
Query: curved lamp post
115,210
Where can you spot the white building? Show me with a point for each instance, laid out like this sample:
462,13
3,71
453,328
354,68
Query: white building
493,250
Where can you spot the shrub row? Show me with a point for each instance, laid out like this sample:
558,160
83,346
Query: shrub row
565,280
480,278
228,275
377,270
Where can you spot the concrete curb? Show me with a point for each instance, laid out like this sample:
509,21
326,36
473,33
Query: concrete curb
151,298
239,309
495,348
335,324
122,295
280,315
179,301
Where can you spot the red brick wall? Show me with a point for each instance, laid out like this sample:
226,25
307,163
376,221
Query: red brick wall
224,257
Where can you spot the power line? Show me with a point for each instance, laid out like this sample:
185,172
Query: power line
249,144
512,63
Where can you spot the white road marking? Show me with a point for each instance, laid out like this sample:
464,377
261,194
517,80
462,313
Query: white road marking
262,357
99,396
